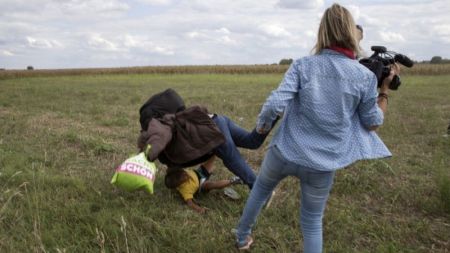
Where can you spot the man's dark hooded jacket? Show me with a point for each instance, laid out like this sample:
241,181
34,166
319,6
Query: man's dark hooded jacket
182,139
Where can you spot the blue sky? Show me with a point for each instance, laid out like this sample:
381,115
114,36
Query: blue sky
116,33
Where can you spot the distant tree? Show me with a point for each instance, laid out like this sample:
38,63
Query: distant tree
30,68
436,60
286,61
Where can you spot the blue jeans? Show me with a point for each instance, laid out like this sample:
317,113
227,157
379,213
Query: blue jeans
236,137
315,187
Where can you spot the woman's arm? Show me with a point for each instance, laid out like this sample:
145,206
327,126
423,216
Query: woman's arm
278,99
382,99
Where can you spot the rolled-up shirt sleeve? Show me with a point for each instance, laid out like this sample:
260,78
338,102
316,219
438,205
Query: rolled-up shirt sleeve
369,112
279,98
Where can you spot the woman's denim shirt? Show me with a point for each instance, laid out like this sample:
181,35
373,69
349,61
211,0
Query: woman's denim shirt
329,101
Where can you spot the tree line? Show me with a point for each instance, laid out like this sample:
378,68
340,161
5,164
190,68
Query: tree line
439,60
434,60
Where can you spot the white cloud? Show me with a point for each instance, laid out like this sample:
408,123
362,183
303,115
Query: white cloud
160,50
125,44
355,11
140,43
196,35
155,2
96,41
298,4
442,32
6,53
99,7
62,10
85,33
371,20
217,36
42,43
223,30
310,34
221,7
131,41
226,40
274,30
391,37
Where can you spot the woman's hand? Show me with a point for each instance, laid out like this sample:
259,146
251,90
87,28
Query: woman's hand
395,70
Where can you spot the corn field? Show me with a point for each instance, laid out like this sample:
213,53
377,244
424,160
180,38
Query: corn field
418,69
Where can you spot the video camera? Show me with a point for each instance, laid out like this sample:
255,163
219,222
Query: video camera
379,63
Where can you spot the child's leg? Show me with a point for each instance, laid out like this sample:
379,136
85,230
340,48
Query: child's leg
209,165
212,185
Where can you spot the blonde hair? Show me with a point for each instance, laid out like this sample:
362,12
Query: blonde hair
337,28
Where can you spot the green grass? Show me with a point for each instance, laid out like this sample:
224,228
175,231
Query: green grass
62,137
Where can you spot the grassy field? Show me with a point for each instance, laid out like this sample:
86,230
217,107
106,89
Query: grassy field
62,137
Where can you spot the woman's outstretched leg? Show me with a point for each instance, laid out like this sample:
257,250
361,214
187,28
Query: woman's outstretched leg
241,137
267,180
